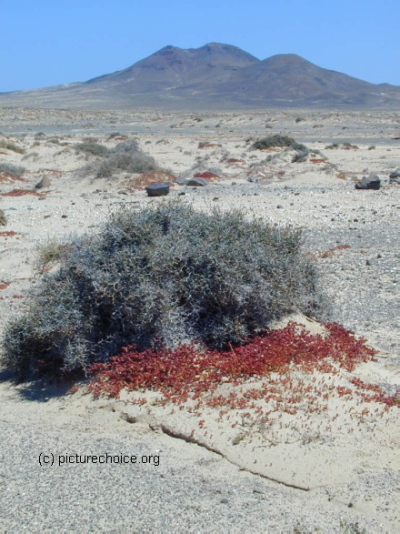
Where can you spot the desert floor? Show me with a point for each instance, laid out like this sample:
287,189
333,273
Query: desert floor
333,470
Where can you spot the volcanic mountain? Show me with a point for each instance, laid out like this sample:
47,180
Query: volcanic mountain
214,76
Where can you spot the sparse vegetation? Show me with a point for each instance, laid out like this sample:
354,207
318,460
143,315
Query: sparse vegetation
49,254
332,146
160,277
3,218
273,141
8,145
13,170
302,153
124,157
284,141
91,147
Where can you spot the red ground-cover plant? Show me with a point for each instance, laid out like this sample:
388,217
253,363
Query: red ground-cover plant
4,285
22,192
208,175
8,234
329,253
189,372
7,177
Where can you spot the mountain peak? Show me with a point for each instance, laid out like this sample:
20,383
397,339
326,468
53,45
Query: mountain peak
218,75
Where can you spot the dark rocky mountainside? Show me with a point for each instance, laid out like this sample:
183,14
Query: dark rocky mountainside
214,76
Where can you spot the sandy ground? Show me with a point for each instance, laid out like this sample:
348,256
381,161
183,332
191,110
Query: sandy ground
332,469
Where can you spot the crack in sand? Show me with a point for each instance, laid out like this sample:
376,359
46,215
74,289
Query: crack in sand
191,439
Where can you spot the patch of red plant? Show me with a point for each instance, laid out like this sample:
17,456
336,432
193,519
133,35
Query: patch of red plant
318,160
148,178
235,160
329,253
22,192
7,177
187,372
208,175
8,234
4,285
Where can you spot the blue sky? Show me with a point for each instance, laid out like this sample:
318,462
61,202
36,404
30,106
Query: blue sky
51,42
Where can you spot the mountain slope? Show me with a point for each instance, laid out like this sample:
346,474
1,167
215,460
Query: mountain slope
213,76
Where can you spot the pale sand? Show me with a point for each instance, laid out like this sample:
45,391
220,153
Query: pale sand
317,470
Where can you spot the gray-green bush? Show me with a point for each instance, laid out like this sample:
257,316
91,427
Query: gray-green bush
91,147
14,170
8,145
273,141
160,277
125,157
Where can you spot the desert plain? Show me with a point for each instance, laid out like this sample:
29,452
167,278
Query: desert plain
332,468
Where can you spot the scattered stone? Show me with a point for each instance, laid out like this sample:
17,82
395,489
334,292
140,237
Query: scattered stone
369,182
253,179
157,190
43,183
3,218
181,181
197,182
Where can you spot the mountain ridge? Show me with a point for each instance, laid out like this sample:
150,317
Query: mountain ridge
215,75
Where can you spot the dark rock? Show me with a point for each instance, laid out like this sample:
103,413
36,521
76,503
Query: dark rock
157,190
197,182
44,183
369,182
253,179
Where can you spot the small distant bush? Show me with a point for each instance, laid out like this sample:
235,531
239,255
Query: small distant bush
273,141
161,277
3,218
300,119
48,254
124,157
332,146
91,147
302,153
8,145
14,170
372,147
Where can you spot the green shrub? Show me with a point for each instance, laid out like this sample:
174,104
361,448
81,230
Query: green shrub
160,277
91,147
3,218
332,146
15,170
273,141
48,254
125,157
11,146
302,153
